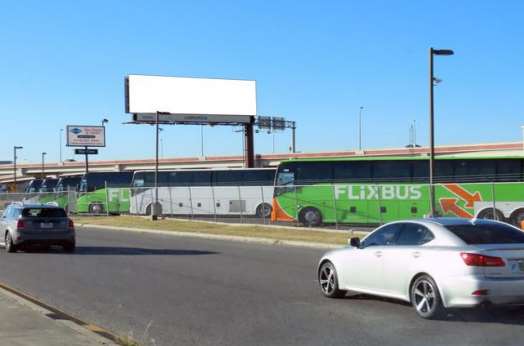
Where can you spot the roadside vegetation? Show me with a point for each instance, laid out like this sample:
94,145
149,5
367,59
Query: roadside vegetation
271,232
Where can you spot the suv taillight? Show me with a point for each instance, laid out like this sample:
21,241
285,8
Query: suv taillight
20,224
477,260
71,225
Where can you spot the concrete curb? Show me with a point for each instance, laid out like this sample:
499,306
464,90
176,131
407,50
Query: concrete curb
256,240
90,331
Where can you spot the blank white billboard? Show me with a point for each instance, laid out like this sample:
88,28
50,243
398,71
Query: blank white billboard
182,95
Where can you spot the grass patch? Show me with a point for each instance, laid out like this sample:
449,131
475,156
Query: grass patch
277,233
126,341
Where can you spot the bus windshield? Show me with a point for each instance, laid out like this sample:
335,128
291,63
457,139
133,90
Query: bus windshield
33,186
68,184
48,185
99,180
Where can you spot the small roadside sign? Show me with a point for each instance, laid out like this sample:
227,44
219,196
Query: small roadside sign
86,151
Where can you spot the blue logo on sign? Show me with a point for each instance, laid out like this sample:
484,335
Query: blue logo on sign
76,130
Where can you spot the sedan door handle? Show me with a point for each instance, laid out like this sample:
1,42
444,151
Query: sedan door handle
416,254
378,253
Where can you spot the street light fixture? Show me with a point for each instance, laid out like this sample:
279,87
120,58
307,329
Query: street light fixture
15,148
104,121
43,164
432,53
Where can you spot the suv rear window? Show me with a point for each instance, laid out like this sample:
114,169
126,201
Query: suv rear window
487,234
43,212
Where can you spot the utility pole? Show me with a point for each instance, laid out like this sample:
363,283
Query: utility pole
154,211
360,128
43,164
60,144
433,52
201,140
293,137
15,148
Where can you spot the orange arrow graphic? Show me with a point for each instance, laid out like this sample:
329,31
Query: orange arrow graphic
465,195
449,205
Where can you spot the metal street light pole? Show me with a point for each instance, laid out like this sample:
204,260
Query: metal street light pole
43,164
154,213
201,140
161,129
433,52
360,128
522,127
15,148
60,144
293,137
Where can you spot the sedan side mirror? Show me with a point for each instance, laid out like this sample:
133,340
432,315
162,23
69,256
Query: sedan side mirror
354,242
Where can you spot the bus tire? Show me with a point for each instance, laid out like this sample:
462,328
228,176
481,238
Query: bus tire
96,208
310,217
517,217
488,214
264,210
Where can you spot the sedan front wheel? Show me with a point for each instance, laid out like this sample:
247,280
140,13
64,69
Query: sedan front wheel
328,280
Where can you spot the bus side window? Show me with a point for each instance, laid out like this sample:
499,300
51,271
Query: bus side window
201,178
394,170
311,173
263,177
443,171
509,170
352,171
474,170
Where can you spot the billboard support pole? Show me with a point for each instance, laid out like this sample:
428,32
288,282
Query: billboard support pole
249,153
154,214
87,160
431,138
293,137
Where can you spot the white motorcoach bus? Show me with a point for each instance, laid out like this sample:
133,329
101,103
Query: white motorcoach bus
204,192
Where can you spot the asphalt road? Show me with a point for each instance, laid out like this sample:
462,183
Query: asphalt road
167,290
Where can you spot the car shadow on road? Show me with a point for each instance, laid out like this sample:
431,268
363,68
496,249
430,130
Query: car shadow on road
489,314
132,251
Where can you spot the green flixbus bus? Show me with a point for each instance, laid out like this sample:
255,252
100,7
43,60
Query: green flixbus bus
374,190
104,192
61,193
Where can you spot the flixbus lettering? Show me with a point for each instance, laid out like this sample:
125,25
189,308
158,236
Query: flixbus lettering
374,192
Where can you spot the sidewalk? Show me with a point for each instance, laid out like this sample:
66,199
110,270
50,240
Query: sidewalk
23,323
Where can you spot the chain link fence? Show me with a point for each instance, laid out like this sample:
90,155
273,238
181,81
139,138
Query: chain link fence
337,206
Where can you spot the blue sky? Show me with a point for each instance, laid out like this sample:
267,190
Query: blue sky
64,62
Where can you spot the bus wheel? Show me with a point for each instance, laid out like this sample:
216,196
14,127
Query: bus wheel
517,217
310,217
96,208
264,210
488,214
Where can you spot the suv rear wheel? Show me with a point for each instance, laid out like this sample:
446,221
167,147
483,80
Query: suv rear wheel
9,246
70,247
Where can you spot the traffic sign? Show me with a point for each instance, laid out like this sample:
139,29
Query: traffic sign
86,151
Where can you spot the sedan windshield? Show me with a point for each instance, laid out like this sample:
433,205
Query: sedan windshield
487,234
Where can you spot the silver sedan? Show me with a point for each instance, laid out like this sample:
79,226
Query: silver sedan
432,263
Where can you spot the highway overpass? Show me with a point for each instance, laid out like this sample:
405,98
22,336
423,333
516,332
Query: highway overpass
27,171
